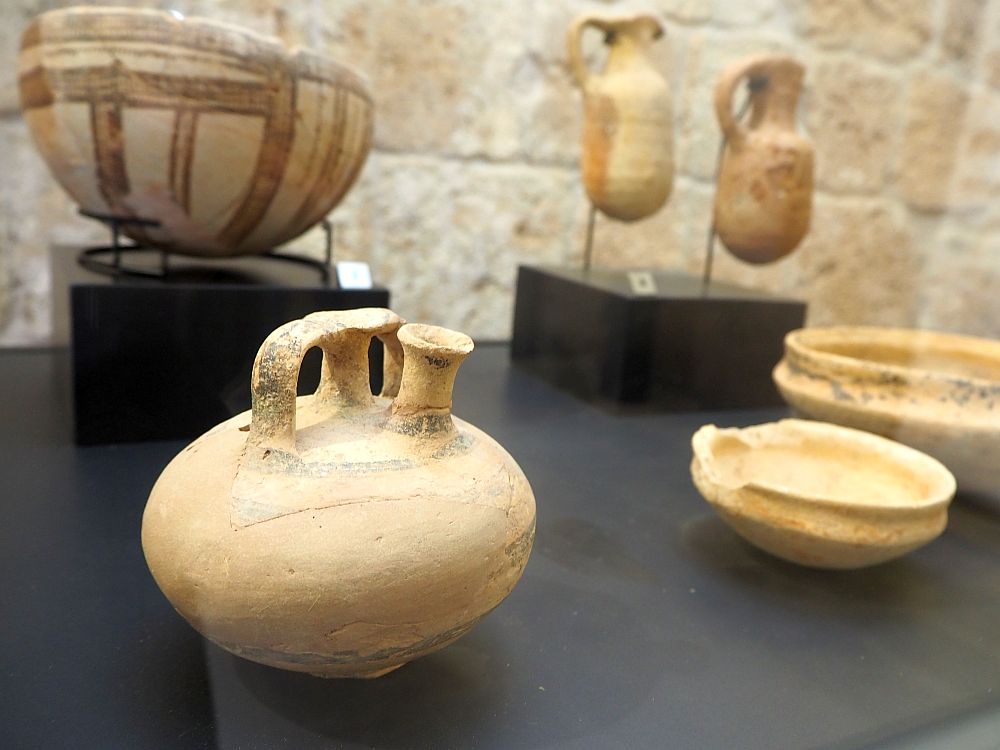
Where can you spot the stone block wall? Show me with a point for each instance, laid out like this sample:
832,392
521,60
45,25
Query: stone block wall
475,164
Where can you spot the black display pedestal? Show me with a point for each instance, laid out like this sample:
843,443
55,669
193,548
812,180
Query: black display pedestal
169,358
670,348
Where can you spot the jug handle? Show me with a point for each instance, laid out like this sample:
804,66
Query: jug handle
610,27
724,90
344,337
574,49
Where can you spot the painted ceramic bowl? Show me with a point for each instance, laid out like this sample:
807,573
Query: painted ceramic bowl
937,392
821,495
231,142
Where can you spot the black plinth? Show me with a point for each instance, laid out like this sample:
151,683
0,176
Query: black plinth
674,348
166,359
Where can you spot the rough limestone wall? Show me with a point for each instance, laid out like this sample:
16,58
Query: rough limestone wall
475,165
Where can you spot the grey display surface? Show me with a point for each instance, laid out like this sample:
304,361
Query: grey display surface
641,621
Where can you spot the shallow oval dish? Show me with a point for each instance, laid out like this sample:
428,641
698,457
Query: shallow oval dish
937,392
232,142
822,495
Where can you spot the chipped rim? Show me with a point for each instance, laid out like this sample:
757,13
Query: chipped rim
941,489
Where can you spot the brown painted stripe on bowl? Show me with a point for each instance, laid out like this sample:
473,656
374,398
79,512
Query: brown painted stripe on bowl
366,130
276,144
35,90
168,57
347,168
109,154
182,156
113,83
32,35
320,188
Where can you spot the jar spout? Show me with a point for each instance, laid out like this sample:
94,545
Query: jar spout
431,358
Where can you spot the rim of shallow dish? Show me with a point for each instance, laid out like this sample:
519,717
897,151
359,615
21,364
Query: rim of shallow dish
306,61
940,492
803,342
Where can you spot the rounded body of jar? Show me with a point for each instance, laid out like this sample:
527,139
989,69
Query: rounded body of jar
341,534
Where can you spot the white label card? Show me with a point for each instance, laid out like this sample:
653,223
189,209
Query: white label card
642,283
354,274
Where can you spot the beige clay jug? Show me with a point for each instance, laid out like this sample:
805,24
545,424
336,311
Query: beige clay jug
342,534
764,197
627,159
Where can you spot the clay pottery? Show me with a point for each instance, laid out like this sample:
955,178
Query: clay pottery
233,143
627,159
763,201
937,392
342,534
821,495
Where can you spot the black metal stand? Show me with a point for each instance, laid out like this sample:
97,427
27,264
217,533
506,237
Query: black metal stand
92,258
588,248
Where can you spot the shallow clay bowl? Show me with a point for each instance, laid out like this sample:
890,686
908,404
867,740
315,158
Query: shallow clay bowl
937,392
229,140
822,495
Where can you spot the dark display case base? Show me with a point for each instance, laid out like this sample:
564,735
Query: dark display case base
157,359
670,346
